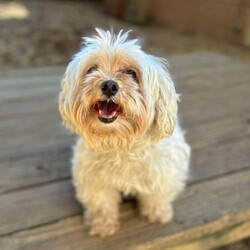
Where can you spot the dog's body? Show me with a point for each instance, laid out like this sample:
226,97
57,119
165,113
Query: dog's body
123,104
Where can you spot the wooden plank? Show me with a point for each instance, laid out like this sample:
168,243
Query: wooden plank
32,92
34,123
218,160
227,230
29,81
42,104
208,69
23,123
36,206
43,146
207,214
192,58
44,140
217,132
205,107
31,134
193,81
210,156
34,72
184,59
35,169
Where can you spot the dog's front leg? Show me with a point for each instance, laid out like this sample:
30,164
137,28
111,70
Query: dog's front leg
101,208
155,207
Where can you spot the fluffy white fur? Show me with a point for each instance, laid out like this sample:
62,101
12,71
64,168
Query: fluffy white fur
143,151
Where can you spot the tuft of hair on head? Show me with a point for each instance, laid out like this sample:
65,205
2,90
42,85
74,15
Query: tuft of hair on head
109,39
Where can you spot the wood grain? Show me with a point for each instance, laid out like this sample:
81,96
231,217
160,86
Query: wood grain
205,214
32,170
38,209
36,206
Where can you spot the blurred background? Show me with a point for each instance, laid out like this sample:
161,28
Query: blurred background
45,33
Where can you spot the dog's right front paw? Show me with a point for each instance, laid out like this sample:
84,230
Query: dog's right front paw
103,226
157,214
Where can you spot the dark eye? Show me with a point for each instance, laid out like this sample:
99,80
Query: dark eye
93,68
131,73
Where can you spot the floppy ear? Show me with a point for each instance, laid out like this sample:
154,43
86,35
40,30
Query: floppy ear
165,99
66,96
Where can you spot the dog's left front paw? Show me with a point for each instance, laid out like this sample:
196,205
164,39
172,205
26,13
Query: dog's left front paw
157,215
103,226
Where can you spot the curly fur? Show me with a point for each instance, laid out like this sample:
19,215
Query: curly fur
143,152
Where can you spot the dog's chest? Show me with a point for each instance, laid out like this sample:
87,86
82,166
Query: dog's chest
127,172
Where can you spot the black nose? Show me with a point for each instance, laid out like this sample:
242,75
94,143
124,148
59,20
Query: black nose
109,88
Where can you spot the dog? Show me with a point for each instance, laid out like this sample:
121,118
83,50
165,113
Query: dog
122,103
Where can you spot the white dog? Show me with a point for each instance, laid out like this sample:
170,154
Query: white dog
122,102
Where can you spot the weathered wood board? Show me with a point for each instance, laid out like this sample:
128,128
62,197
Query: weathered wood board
210,213
37,205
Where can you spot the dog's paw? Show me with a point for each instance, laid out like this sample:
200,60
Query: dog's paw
157,215
103,226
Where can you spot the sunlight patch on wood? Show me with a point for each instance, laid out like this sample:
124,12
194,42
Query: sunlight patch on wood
13,10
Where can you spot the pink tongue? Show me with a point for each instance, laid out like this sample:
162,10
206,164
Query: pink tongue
107,107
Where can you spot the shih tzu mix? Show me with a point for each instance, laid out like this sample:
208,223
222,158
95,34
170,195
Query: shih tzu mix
123,105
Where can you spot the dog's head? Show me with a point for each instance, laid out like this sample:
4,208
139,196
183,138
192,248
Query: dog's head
113,94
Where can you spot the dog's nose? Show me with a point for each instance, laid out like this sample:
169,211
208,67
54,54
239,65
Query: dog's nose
109,88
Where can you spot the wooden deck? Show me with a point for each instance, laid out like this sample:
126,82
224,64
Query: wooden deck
37,205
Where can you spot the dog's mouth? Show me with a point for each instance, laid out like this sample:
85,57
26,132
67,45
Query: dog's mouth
107,110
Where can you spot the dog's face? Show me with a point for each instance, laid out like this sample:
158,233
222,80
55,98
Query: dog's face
113,94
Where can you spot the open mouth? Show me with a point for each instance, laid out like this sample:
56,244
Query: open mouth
107,111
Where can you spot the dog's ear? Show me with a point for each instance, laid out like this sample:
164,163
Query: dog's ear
66,95
165,99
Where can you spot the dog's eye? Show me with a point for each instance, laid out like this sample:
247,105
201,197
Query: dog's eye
91,69
131,73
